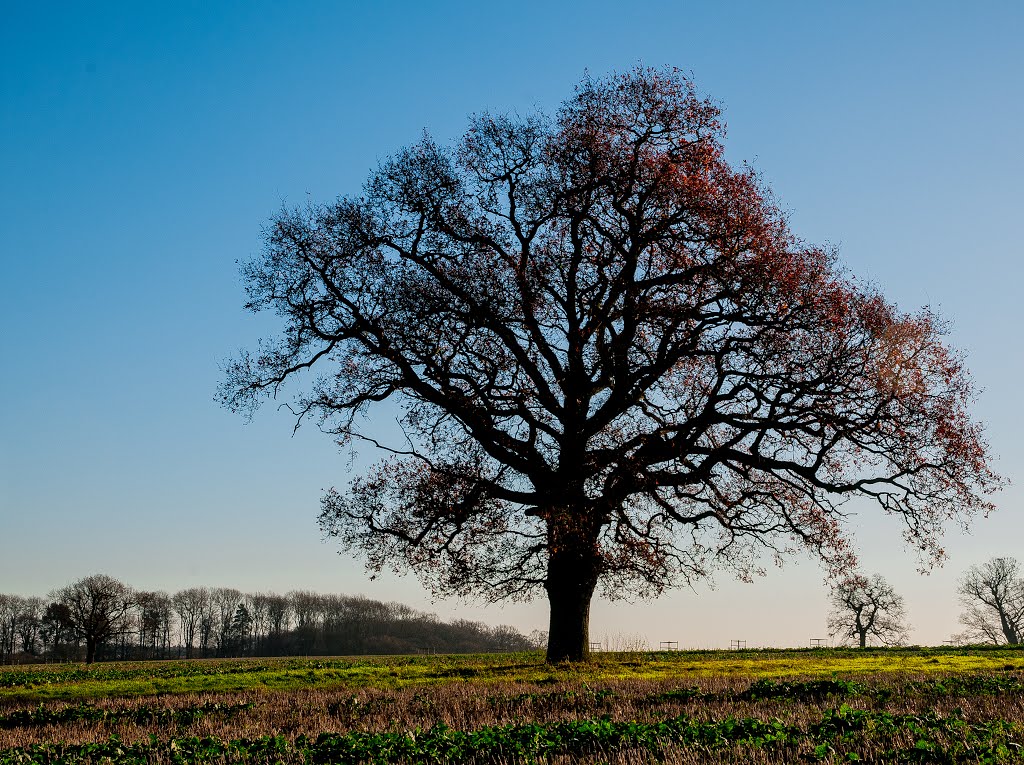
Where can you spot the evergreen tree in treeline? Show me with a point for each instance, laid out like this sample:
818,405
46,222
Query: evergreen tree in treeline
100,618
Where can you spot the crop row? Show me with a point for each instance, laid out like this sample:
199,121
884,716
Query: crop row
583,700
141,715
61,674
76,673
32,678
809,690
956,685
456,667
935,739
815,690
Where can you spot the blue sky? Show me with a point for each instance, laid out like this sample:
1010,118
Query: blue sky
141,150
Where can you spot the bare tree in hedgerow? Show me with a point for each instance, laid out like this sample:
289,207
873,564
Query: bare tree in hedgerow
867,607
189,605
613,363
97,608
992,595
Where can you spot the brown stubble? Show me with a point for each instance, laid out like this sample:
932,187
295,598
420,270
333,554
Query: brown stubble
467,706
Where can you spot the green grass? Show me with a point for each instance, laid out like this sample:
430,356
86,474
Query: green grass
78,682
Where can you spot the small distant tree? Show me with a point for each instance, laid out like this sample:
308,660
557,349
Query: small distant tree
154,615
258,605
55,629
28,622
8,629
237,641
992,595
190,606
505,637
278,618
207,627
867,607
99,608
225,602
538,639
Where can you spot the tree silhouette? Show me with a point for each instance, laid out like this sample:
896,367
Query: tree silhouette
189,605
55,628
992,595
97,608
865,607
611,361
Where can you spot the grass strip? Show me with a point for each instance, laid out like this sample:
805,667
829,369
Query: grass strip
142,715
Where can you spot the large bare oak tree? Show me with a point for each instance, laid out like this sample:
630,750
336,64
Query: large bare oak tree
612,361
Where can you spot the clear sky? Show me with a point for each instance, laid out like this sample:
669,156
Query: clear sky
142,148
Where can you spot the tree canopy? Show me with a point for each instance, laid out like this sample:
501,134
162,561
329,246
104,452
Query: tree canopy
96,608
613,361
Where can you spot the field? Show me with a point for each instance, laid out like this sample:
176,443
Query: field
900,705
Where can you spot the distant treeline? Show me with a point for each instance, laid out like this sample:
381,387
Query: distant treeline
100,618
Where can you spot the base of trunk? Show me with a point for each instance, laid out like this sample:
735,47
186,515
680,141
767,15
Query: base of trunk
569,627
569,644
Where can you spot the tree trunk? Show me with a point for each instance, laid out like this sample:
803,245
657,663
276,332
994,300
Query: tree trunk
90,651
1009,631
864,640
572,577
